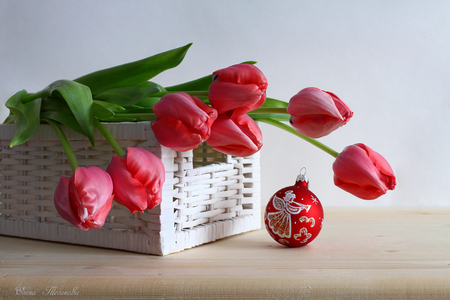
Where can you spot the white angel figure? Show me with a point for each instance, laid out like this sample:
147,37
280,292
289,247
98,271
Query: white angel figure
280,221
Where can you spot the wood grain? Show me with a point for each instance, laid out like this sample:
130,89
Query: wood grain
361,253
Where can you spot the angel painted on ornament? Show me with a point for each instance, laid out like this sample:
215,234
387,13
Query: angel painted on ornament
280,221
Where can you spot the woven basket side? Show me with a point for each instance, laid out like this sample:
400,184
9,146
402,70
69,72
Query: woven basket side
30,172
204,155
219,191
206,195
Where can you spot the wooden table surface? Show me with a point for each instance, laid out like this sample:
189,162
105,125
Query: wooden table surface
361,253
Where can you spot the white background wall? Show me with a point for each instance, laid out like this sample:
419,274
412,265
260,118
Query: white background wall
388,60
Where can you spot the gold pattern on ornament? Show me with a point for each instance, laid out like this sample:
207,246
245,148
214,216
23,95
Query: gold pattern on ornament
303,236
307,220
280,221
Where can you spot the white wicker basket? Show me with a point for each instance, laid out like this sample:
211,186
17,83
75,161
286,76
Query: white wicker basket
206,196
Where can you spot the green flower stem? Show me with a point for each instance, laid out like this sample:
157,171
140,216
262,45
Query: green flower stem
292,130
65,144
274,113
31,97
109,137
269,110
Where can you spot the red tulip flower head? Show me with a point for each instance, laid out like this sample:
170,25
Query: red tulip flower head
363,172
238,89
86,198
182,121
316,113
138,179
238,135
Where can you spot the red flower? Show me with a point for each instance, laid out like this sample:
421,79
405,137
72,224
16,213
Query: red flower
182,121
316,113
238,135
240,88
363,172
86,198
138,179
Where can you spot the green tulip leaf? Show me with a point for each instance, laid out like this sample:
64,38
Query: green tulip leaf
200,84
26,117
129,95
133,73
251,62
60,112
110,106
148,102
79,99
9,119
102,112
64,117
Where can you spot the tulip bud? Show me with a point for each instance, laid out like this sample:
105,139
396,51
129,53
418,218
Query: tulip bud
316,113
86,198
363,172
138,179
240,88
238,135
182,121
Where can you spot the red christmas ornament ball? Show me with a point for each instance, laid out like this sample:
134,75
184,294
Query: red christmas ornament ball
294,215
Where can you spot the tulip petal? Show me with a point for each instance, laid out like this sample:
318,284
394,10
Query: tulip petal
367,193
94,187
343,108
315,126
226,96
75,202
175,135
242,74
316,113
237,89
313,101
85,199
381,164
63,204
365,175
239,136
129,192
98,219
149,170
249,128
180,106
210,111
359,173
182,121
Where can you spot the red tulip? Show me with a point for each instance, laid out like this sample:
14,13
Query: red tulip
138,179
363,172
238,135
182,121
86,198
240,88
316,113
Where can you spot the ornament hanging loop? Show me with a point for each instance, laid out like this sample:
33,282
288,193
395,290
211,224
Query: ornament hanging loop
302,176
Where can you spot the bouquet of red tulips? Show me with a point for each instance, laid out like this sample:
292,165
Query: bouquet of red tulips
220,109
